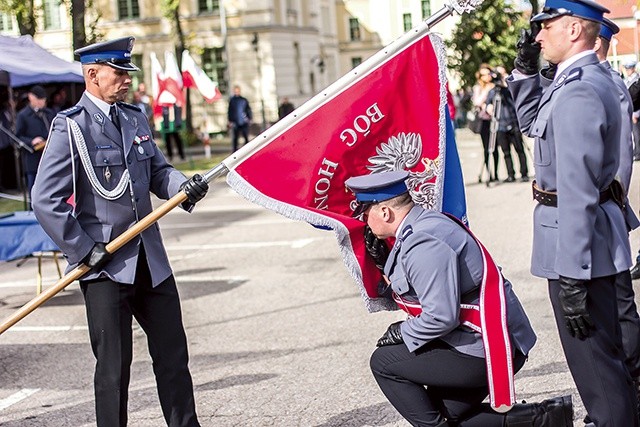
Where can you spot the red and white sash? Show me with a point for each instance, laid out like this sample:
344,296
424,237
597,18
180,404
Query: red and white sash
489,318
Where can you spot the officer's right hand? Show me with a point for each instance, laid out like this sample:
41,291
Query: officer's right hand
527,61
573,301
98,257
376,247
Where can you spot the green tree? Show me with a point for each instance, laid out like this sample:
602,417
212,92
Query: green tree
25,13
487,35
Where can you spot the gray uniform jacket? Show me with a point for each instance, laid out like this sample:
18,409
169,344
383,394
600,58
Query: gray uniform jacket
626,143
435,261
97,219
576,125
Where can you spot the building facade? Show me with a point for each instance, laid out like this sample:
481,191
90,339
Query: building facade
270,48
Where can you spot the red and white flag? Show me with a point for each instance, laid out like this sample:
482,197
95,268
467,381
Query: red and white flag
390,113
194,76
173,78
157,82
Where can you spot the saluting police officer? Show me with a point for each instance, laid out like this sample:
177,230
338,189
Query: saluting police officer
625,295
580,240
102,152
431,367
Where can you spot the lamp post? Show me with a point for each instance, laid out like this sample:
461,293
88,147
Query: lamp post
254,42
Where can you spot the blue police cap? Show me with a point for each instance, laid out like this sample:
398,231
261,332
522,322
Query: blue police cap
608,29
376,188
116,53
586,9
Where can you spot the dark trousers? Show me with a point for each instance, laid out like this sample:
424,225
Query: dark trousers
597,363
436,382
512,138
172,138
629,322
110,308
485,135
238,130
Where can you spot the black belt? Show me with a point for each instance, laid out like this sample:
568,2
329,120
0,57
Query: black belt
550,198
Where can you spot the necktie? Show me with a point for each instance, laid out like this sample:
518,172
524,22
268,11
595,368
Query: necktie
113,115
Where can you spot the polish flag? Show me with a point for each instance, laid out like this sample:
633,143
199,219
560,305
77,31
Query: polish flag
193,76
157,84
173,79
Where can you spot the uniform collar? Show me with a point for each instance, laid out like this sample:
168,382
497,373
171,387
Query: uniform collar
102,105
572,60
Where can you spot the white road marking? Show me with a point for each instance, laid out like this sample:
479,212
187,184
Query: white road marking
212,277
205,225
47,328
17,397
294,244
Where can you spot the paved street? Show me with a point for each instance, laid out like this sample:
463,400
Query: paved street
278,333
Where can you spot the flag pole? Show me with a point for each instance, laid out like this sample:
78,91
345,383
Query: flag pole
458,6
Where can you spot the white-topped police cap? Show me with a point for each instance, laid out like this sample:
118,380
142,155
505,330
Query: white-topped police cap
629,63
116,53
608,29
378,187
586,9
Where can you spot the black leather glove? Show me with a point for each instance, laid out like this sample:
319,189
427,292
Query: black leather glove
392,336
549,71
195,188
528,51
573,300
98,256
376,247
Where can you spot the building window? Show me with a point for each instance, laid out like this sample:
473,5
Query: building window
214,66
354,29
51,14
426,9
355,61
208,6
406,21
128,9
6,22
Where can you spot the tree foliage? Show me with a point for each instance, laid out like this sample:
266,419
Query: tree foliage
25,13
487,35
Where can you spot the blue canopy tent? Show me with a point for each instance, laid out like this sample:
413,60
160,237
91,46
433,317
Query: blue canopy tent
28,63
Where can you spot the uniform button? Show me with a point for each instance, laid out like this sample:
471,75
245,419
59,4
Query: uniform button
585,266
133,181
106,160
129,161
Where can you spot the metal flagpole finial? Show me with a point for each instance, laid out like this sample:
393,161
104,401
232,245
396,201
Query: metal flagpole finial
464,6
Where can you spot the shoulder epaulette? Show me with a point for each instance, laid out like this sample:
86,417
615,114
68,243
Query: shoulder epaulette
574,74
130,106
71,111
406,232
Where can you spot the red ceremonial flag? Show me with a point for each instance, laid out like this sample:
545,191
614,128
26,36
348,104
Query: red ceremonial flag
157,83
390,113
173,79
193,76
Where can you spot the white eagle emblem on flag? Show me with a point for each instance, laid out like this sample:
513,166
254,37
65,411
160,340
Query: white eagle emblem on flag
403,152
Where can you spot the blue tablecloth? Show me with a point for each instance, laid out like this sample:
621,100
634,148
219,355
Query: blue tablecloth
21,235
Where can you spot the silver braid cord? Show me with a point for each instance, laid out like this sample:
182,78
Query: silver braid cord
464,6
81,145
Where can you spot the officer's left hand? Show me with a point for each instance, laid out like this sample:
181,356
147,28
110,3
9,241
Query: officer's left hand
528,51
195,188
392,336
573,301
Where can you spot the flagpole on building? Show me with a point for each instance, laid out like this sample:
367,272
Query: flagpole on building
459,6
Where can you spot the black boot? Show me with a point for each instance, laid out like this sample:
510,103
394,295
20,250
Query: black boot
635,271
556,412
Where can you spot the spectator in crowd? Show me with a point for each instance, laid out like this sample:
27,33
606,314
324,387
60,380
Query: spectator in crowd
500,107
32,127
171,126
239,116
58,100
145,103
630,76
285,108
484,84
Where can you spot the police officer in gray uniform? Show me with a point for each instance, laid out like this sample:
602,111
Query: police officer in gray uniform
625,296
580,240
102,152
431,367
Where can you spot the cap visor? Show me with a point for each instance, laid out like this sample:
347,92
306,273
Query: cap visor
128,66
360,209
545,16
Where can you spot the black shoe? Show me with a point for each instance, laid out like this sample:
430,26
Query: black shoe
556,412
635,271
510,179
524,179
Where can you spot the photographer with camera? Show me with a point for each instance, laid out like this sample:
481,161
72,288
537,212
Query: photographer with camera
504,130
